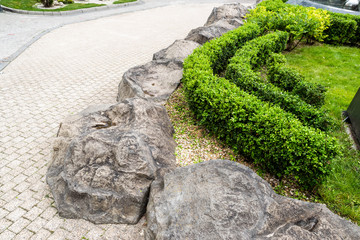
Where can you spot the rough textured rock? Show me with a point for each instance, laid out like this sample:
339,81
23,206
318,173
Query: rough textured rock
233,13
155,80
221,199
105,159
203,34
179,50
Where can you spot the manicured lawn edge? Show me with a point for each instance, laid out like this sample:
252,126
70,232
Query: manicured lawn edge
69,9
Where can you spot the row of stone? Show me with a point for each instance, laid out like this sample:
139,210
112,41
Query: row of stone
106,157
113,164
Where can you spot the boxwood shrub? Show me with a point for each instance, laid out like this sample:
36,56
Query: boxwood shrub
306,22
300,22
220,50
270,136
344,29
291,80
256,53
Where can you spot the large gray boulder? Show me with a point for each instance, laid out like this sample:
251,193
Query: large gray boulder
232,13
204,34
179,50
105,159
222,19
155,80
221,199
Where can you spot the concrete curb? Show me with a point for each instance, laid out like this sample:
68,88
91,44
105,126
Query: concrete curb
6,61
64,13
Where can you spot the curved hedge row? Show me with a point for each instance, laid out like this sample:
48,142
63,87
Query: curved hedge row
222,49
290,80
268,135
255,54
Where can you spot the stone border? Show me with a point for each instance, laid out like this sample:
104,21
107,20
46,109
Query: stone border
71,12
165,75
305,215
221,20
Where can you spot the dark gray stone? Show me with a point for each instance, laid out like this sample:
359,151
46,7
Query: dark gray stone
105,159
204,34
220,199
179,50
156,80
229,23
233,13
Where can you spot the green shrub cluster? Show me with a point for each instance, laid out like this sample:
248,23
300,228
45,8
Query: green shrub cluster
255,54
306,22
344,29
257,51
300,22
273,5
270,136
290,80
222,49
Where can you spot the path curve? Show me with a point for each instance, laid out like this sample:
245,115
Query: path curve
19,31
65,71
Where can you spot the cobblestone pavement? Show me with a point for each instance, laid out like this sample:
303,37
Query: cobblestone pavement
62,73
17,31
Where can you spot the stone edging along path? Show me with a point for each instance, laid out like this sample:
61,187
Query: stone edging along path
65,13
127,145
111,164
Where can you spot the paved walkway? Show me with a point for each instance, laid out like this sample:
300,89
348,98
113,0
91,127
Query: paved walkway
62,73
18,31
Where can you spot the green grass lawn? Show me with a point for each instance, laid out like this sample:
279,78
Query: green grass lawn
28,5
75,6
123,1
337,68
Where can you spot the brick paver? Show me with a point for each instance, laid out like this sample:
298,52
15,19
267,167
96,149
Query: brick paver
61,74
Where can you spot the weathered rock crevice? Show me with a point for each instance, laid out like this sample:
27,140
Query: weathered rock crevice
103,174
220,199
155,80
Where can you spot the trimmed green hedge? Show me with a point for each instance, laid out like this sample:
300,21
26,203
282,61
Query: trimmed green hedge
223,48
292,81
257,51
344,29
268,135
255,54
